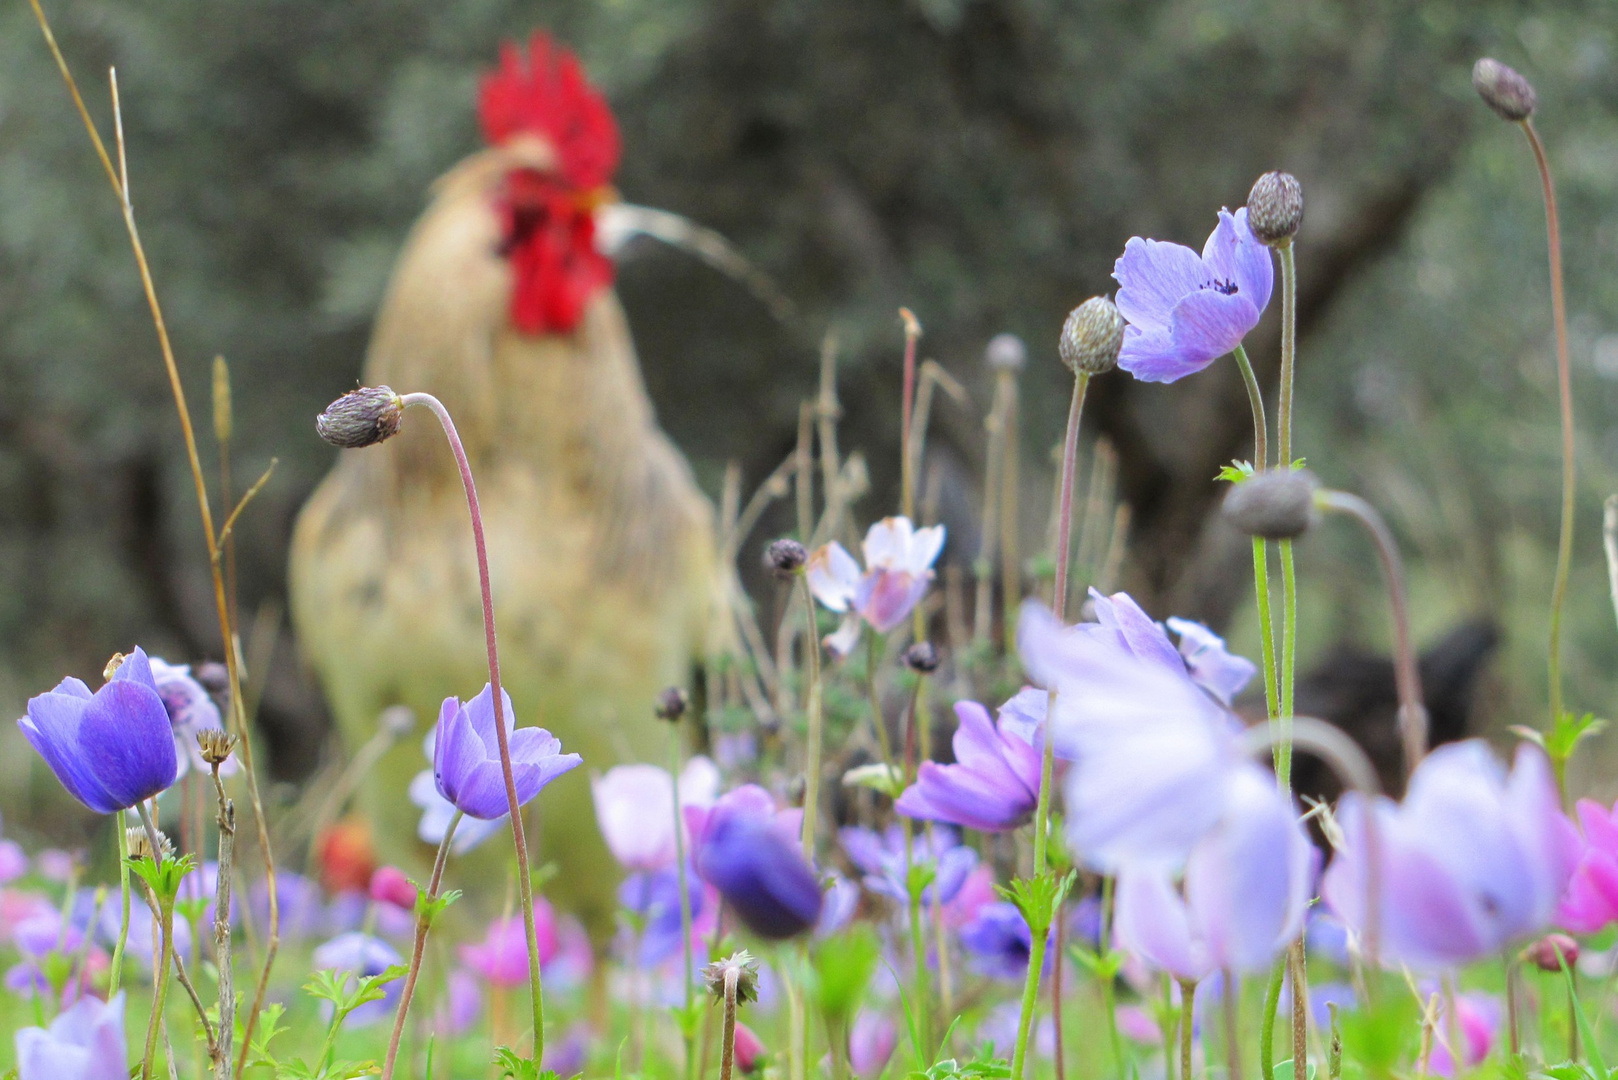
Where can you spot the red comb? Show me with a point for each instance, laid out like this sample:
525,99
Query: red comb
547,94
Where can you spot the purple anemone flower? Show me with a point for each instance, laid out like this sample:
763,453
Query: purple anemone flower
993,785
1187,310
365,956
758,871
190,709
998,942
1591,900
112,748
85,1042
1153,750
466,756
1246,888
1473,861
882,857
654,896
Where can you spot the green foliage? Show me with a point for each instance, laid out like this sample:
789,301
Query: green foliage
1038,898
979,1068
514,1066
1383,1036
1564,737
163,877
430,909
843,966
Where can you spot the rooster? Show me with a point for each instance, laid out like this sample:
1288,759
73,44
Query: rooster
600,543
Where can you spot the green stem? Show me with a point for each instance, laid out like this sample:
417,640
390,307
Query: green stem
811,789
1030,1000
918,941
1188,994
1266,1037
116,976
872,652
1261,571
1108,991
1564,545
1289,584
1289,656
164,911
424,923
688,1029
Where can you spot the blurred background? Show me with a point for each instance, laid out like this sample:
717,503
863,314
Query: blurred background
979,161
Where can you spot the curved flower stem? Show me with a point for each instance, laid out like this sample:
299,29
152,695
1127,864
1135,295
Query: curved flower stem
525,885
424,922
811,788
1030,1002
1407,676
1266,1035
1564,379
116,975
1188,994
687,1028
1283,460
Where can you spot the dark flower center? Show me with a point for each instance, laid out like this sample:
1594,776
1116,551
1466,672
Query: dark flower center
1227,287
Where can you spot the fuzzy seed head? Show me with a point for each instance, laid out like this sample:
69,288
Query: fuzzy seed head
1275,208
671,704
1503,90
786,557
922,657
1276,505
1006,352
746,968
215,745
140,844
362,417
1092,337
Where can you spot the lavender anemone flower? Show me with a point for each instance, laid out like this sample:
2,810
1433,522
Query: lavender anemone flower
437,811
635,809
466,756
1246,888
85,1042
882,857
758,870
1153,749
112,748
501,958
654,896
998,942
1186,310
365,956
1472,861
191,709
898,568
871,1042
993,785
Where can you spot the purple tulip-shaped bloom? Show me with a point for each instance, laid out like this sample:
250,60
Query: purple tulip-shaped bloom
1473,861
1186,310
112,748
1153,749
993,785
466,756
1245,891
898,569
85,1042
757,868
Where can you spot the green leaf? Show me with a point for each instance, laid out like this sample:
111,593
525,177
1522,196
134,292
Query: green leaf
1038,898
1587,1033
843,966
1283,1070
1378,1038
1235,472
876,776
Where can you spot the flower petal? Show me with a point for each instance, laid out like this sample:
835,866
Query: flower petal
833,576
1208,324
1233,254
1153,276
126,735
1151,356
1152,922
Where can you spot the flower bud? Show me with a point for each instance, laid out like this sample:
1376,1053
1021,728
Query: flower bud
1503,90
1275,208
1006,352
1276,505
390,885
749,1049
671,704
212,675
1092,337
922,658
786,557
746,968
1543,953
215,745
361,417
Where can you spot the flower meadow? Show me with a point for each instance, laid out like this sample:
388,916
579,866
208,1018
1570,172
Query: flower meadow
1039,841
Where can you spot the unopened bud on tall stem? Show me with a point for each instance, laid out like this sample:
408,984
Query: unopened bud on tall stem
1092,337
1275,208
1278,504
1503,90
361,418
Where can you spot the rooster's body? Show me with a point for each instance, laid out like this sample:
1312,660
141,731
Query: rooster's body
600,544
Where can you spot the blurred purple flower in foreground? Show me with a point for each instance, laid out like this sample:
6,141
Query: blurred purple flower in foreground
741,849
501,958
635,809
1472,861
1186,310
871,1041
1591,900
110,749
993,785
1246,888
466,756
1477,1017
898,568
998,942
85,1042
1153,750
